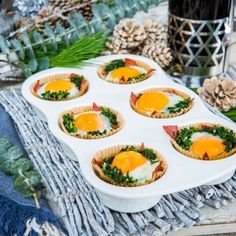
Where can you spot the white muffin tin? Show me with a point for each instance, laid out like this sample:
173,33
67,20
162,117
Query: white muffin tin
182,172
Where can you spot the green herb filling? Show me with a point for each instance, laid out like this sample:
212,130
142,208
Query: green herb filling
114,65
55,95
178,107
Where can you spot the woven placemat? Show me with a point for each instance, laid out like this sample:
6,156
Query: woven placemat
75,201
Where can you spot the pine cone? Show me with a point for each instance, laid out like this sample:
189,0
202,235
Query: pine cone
219,92
155,31
159,52
57,11
127,36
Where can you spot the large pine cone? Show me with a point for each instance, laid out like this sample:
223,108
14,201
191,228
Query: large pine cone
128,34
155,31
159,52
219,92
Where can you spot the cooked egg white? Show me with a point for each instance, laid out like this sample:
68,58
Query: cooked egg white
138,166
91,121
157,101
204,143
59,85
124,72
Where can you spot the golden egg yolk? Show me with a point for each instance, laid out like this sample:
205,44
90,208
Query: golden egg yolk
59,85
153,101
89,122
128,161
212,146
124,72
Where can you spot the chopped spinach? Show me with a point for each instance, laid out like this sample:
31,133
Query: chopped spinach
110,115
68,122
147,152
115,173
179,106
55,95
226,135
77,80
137,77
184,136
97,132
114,65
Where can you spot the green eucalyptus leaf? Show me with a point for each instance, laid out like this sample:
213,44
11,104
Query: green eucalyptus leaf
49,32
18,46
13,167
21,186
43,63
26,70
5,144
60,30
34,177
4,46
14,153
33,64
38,38
28,44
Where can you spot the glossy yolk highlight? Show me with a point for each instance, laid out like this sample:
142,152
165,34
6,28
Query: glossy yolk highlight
124,72
212,146
89,122
154,101
128,161
59,85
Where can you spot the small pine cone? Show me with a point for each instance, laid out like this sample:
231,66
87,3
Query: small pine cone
155,31
219,92
159,52
129,33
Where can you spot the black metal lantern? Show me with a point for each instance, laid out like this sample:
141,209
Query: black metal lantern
199,35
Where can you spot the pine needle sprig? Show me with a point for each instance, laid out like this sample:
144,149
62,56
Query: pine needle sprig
81,50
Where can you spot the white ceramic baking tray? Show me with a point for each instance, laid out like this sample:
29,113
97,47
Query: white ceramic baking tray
182,172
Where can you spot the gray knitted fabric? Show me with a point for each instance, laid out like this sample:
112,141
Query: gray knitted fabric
75,201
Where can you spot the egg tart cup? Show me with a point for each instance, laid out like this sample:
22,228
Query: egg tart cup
106,154
181,94
128,62
189,152
79,110
50,78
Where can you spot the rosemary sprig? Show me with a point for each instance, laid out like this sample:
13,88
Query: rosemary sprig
179,106
137,77
55,95
115,173
114,65
110,115
83,49
68,122
77,80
